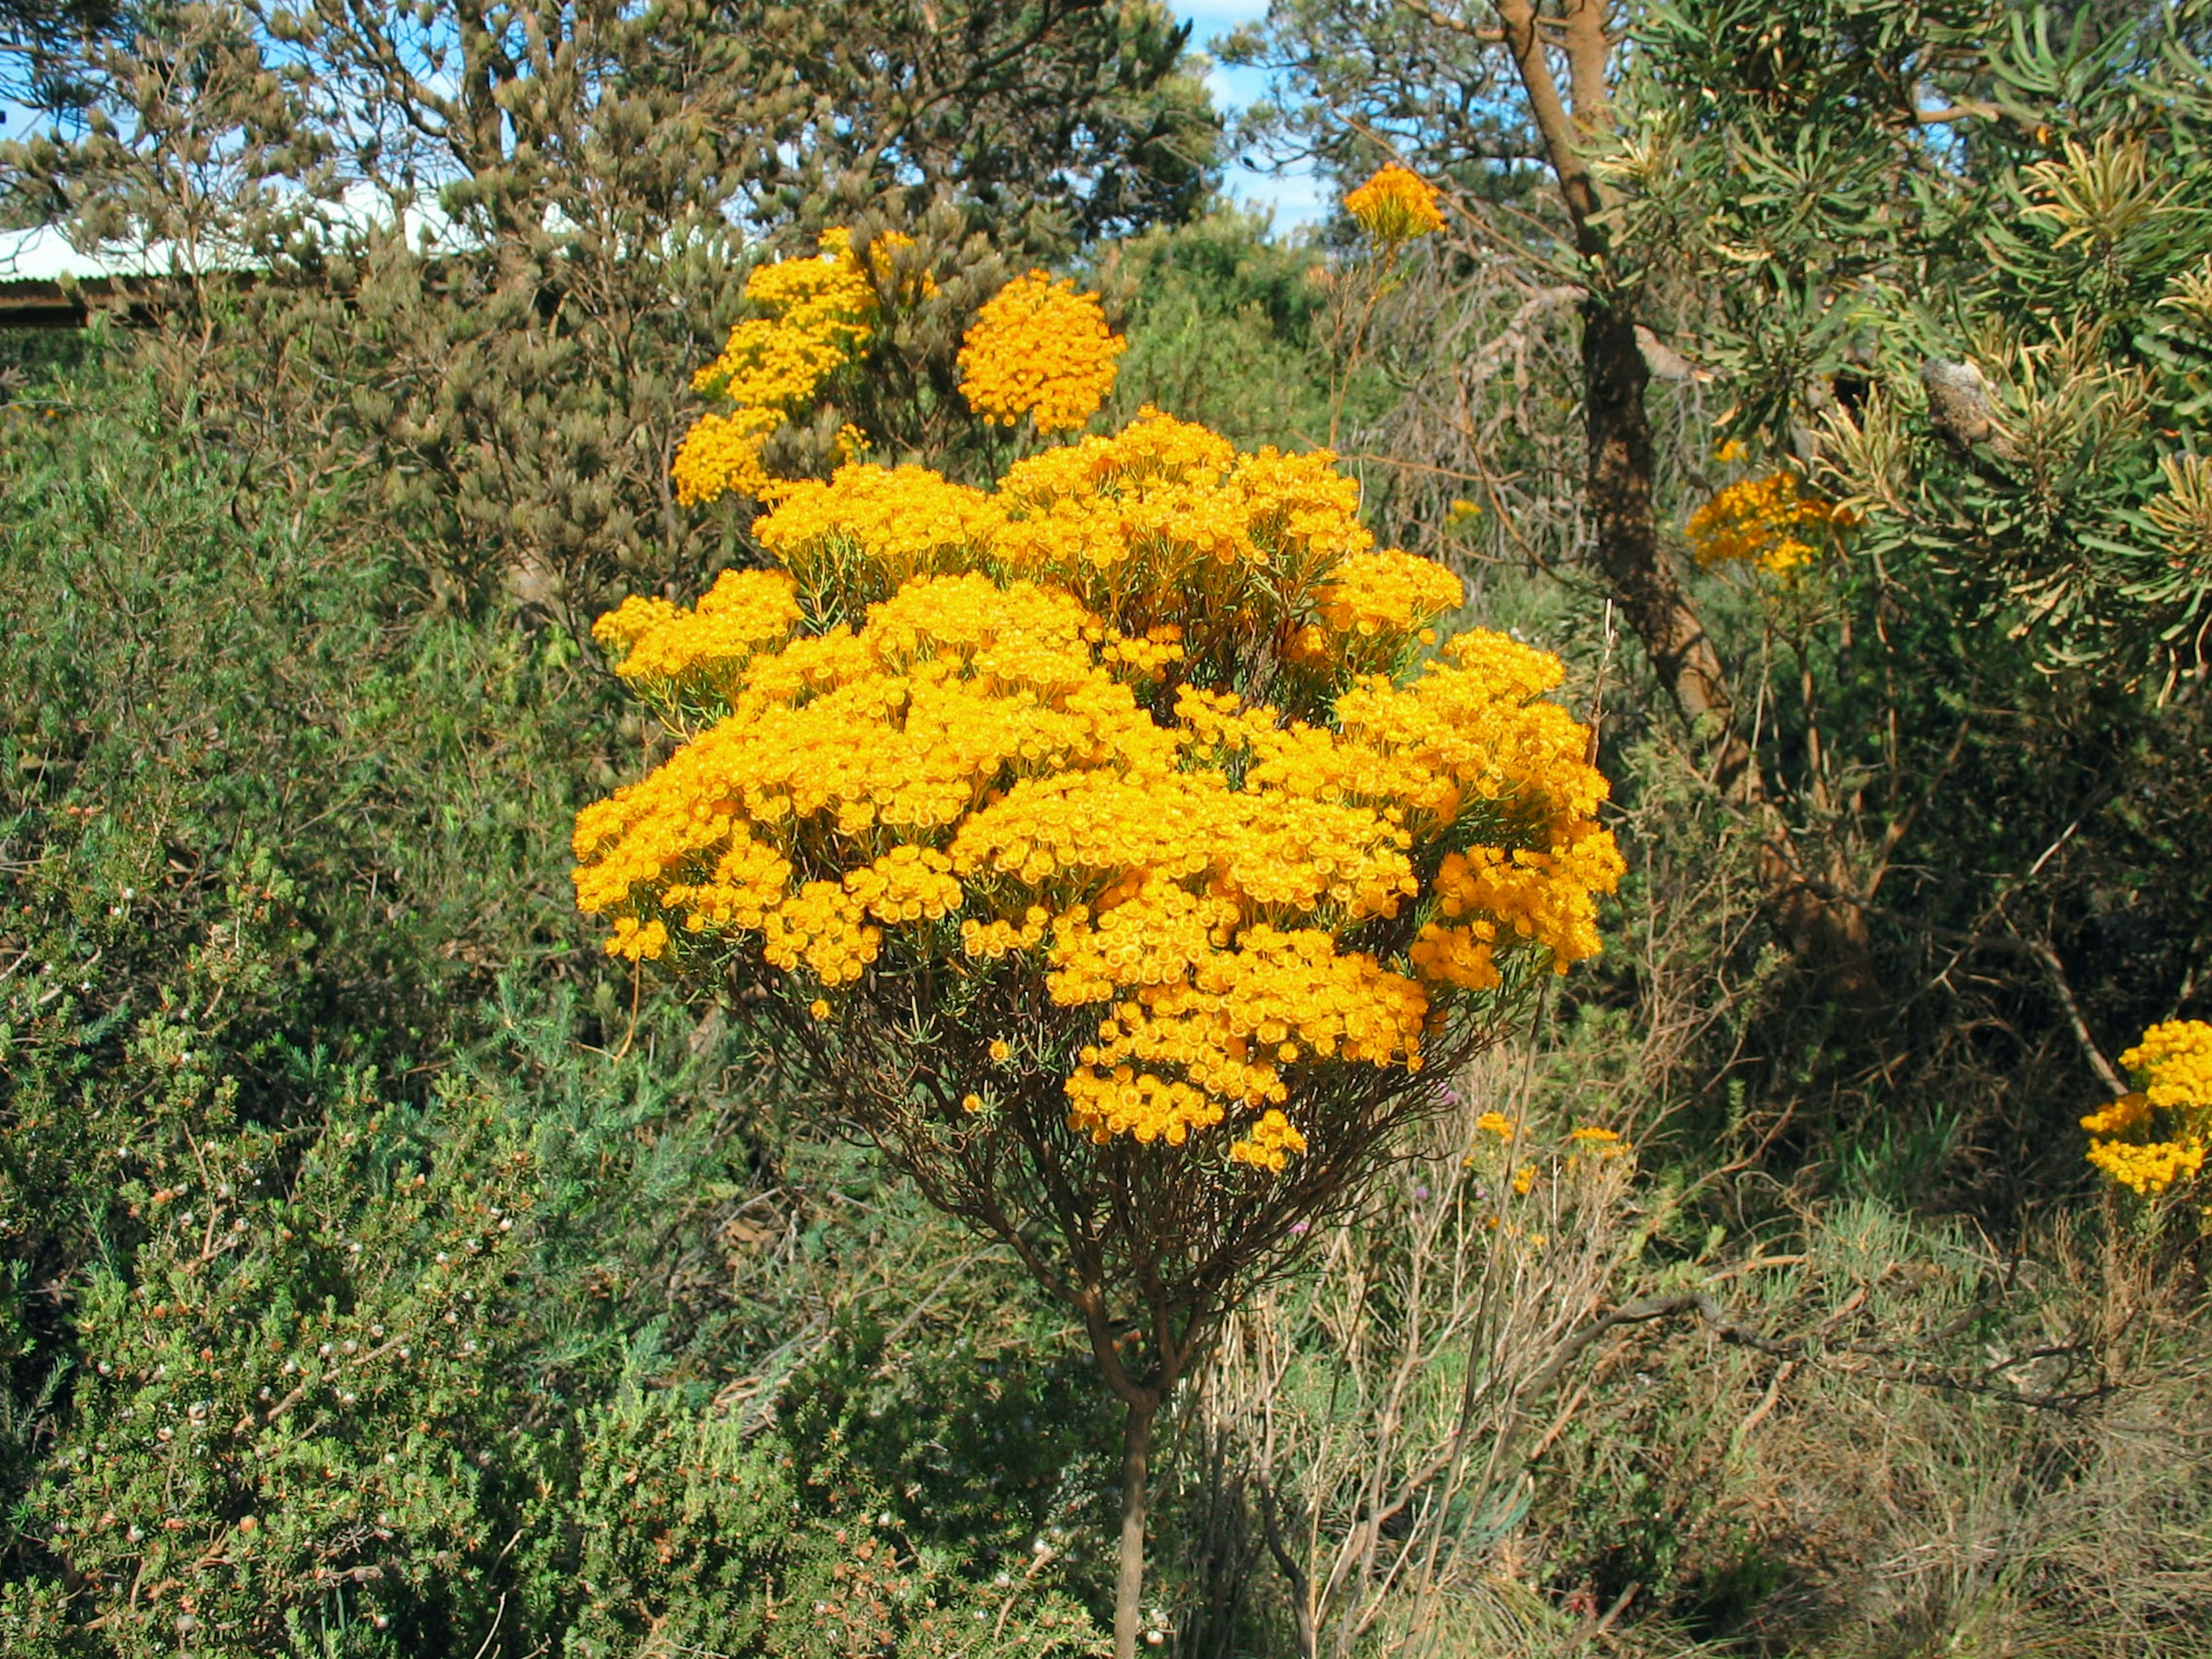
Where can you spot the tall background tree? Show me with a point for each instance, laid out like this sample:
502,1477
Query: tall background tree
1765,226
525,228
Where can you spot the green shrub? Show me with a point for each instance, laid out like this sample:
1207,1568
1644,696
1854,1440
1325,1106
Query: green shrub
373,1275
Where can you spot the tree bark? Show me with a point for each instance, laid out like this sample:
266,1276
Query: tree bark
1616,490
1617,494
1129,1580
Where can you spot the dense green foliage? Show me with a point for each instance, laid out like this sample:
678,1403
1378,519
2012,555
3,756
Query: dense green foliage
364,1280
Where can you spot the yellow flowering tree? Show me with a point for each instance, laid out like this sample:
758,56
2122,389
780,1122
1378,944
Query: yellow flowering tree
1395,206
2157,1136
816,314
1118,848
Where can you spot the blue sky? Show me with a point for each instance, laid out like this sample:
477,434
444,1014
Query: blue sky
1297,198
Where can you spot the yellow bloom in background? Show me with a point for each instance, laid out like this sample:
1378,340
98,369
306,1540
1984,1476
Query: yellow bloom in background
1770,522
820,312
1016,735
1395,206
1040,349
721,456
2160,1134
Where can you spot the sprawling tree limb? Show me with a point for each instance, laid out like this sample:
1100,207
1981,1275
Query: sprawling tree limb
1617,495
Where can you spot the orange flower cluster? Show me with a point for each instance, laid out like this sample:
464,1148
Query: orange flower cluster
1271,1144
1395,206
2160,1133
1764,522
820,313
1039,349
1017,731
670,652
1163,531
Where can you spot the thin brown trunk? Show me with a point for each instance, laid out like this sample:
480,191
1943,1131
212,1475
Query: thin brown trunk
1617,492
1129,1581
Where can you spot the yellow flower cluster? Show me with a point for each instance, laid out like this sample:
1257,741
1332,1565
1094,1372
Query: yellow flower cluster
1388,590
666,652
1016,733
1765,521
2159,1135
1593,1141
1163,531
1271,1144
820,312
1038,348
1395,206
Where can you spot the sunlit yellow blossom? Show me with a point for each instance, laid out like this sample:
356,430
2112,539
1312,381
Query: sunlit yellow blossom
820,312
1270,1144
721,456
1592,1140
968,733
1395,206
1373,592
1765,521
635,941
2161,1134
665,651
1040,349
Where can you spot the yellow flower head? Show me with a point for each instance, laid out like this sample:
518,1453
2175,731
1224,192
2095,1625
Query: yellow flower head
1271,1144
819,313
1040,349
1770,522
1395,206
2161,1134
